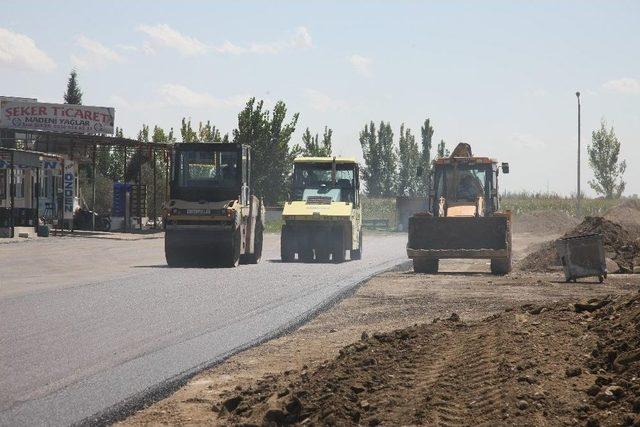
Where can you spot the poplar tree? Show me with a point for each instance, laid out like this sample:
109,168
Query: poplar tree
426,133
408,160
443,151
389,160
312,146
186,131
372,154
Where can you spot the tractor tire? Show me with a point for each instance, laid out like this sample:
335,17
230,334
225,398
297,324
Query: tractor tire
425,265
286,253
500,266
356,254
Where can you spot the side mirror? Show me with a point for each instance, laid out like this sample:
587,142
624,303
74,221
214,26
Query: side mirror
419,171
505,167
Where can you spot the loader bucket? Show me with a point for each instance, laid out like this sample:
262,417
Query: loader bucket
459,237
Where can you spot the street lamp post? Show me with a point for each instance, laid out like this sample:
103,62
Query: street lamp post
578,193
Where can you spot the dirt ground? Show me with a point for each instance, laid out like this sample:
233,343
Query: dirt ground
348,366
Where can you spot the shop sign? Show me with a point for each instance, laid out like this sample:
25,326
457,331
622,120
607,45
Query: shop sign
57,117
69,187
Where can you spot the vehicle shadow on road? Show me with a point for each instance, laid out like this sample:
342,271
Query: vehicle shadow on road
151,266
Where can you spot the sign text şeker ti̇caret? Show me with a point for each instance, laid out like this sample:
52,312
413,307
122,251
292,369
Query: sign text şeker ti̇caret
57,117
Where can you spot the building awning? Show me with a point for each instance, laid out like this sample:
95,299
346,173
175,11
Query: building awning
24,159
78,139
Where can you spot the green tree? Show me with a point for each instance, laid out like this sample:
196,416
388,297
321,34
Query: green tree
159,135
73,95
143,135
604,159
109,160
442,151
408,159
426,133
110,167
210,133
187,132
389,160
372,154
312,146
268,136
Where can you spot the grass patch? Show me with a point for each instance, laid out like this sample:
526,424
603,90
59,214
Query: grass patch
520,203
273,226
379,208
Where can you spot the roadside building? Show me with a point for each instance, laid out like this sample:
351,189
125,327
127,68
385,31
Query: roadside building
42,148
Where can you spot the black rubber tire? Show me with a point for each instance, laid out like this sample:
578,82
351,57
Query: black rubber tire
175,258
305,255
356,254
255,257
232,258
339,252
286,254
500,266
322,255
426,265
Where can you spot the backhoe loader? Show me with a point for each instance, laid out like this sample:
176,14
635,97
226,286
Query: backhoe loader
463,219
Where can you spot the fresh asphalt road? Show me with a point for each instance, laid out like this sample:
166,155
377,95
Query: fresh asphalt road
73,345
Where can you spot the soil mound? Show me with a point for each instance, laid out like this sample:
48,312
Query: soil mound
544,222
561,364
616,360
619,245
626,213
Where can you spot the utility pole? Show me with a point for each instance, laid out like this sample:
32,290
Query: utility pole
578,193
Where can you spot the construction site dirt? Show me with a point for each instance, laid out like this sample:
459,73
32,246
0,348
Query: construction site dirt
458,348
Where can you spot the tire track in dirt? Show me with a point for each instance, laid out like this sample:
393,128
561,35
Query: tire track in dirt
469,383
425,375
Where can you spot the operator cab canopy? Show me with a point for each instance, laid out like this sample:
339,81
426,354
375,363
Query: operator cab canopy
325,179
464,185
209,171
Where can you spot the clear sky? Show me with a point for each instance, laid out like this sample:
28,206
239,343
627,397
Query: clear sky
501,75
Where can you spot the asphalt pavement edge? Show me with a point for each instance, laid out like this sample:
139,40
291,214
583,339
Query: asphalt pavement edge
146,398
